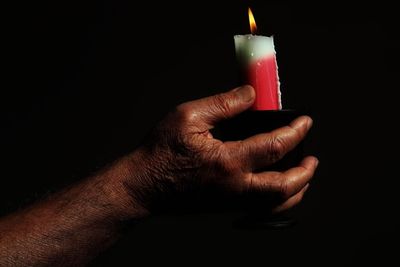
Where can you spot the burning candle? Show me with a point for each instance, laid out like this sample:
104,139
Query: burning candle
257,58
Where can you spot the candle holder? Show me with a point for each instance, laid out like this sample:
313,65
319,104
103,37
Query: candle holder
250,123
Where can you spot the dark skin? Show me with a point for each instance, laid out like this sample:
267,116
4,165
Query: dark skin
70,228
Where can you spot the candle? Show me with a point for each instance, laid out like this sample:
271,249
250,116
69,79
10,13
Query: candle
257,59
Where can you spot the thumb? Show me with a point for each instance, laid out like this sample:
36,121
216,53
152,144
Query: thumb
213,109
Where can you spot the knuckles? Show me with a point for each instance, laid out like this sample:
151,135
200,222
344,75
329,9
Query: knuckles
276,148
184,113
222,103
222,162
282,189
274,184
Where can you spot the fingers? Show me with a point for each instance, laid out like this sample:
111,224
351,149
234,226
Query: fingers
292,201
208,111
265,149
287,184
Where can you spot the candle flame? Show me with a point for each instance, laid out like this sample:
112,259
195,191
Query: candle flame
252,21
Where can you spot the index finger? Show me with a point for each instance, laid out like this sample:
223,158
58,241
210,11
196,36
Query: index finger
262,150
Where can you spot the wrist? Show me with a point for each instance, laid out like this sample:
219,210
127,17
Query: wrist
124,187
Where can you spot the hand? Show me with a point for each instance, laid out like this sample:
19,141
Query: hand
181,154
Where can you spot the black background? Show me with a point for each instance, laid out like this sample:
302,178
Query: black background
84,82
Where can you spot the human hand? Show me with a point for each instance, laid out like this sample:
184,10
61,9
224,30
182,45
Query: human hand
181,155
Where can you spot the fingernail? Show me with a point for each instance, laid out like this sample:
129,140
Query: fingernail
299,123
316,162
309,123
246,93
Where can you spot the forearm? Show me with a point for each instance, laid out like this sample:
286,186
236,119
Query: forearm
71,227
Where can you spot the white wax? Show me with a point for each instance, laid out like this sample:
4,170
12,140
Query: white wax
250,48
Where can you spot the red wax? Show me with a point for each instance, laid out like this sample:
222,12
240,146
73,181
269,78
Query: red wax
263,76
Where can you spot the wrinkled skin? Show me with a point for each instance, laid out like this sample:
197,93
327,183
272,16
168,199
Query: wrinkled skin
181,155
